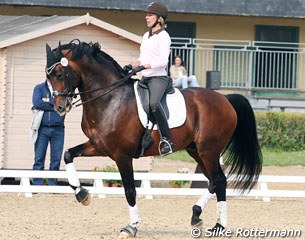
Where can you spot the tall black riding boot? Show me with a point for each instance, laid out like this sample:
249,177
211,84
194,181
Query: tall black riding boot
165,145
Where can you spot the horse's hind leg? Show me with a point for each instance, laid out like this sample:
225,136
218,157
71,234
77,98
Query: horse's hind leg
218,183
86,149
203,200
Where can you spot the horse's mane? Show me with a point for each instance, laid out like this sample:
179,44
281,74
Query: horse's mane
79,49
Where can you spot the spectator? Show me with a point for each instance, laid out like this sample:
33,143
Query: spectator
179,75
51,130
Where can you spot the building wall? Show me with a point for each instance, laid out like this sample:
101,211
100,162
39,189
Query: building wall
26,63
208,26
3,73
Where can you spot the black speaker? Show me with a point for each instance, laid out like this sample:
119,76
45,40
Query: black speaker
213,80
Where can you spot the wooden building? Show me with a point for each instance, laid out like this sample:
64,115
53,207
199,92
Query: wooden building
22,61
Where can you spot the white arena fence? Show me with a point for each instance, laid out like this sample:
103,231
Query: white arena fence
146,189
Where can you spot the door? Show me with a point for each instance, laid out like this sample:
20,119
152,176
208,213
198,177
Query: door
182,34
276,65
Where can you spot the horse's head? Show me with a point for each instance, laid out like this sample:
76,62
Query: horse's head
61,70
84,66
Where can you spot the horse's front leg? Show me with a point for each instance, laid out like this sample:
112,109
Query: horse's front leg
126,170
86,149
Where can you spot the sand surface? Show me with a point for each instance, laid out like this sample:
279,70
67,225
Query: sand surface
59,216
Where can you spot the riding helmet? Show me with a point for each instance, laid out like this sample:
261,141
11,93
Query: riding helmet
157,8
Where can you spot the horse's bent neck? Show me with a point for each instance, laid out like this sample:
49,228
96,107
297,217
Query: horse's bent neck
101,82
98,75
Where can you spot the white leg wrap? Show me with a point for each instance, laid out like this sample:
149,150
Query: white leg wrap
222,213
134,215
202,202
73,180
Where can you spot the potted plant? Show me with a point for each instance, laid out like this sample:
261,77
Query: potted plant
109,182
180,183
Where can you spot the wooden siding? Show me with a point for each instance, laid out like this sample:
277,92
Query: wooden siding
26,63
3,73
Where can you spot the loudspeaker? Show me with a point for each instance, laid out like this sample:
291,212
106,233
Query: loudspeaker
213,80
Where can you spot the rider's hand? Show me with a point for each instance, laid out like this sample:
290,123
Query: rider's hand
135,70
127,68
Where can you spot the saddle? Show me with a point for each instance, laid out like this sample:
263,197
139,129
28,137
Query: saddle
144,98
143,93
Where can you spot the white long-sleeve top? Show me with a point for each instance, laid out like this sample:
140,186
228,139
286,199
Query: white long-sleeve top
155,51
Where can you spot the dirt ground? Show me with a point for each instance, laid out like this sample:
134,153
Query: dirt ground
61,217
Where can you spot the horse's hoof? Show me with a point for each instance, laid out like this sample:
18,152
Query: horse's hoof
218,226
128,232
87,201
124,236
83,196
196,221
197,224
216,230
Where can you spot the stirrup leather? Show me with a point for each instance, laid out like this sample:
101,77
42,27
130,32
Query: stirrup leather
167,144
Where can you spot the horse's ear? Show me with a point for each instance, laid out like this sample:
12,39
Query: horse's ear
58,50
48,48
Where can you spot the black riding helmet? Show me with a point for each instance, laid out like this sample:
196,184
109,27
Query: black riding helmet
158,8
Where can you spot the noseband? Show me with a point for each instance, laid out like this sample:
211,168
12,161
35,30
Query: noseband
69,95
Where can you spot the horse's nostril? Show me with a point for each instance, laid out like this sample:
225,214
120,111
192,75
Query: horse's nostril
60,109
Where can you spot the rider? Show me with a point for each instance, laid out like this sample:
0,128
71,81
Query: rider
154,53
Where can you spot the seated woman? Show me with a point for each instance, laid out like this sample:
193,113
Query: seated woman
179,75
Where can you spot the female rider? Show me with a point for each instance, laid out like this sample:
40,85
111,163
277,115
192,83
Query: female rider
154,54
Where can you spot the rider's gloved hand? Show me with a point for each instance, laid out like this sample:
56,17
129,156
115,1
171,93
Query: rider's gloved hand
135,70
127,68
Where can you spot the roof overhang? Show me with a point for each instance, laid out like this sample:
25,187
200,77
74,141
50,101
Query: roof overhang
44,29
260,8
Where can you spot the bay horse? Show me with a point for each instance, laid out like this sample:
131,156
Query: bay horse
215,124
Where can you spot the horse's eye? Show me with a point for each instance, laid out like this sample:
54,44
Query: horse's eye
59,75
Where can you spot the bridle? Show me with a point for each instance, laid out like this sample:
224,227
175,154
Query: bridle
70,94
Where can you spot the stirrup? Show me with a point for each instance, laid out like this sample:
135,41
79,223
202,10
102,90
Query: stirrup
167,149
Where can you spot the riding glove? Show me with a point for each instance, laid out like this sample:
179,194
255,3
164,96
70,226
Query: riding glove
135,70
127,68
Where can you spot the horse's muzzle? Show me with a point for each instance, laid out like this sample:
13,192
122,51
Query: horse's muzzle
63,108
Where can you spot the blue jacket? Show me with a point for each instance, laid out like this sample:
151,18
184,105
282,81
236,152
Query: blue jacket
50,117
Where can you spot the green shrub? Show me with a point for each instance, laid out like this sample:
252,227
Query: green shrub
281,131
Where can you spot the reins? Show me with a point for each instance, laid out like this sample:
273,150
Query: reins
70,94
114,85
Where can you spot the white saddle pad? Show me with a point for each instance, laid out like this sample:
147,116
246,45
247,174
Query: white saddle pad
176,107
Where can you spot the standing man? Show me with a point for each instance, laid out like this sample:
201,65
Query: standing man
51,130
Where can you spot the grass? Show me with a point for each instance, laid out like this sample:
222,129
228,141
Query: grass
271,157
277,158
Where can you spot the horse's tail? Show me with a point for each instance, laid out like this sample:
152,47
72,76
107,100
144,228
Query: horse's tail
243,153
